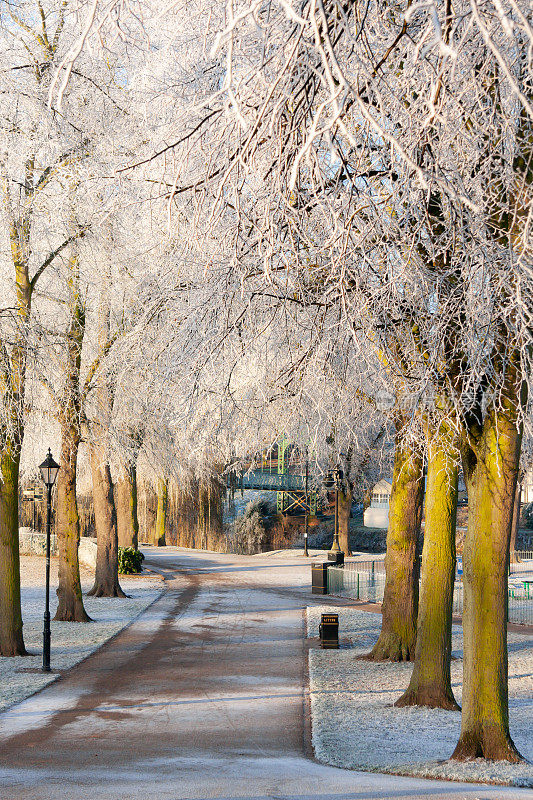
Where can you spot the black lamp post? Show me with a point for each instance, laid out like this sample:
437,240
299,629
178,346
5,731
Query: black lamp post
49,470
306,532
336,548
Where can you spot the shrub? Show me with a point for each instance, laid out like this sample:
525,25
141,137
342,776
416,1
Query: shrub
249,532
129,561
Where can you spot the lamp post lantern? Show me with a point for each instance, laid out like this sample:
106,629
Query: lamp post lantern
49,470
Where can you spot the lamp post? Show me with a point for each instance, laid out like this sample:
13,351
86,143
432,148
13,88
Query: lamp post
49,470
335,547
306,532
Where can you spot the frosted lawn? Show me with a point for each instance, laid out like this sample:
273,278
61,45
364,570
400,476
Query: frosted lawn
71,641
356,727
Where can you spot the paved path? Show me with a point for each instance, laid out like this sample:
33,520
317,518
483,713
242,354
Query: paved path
201,698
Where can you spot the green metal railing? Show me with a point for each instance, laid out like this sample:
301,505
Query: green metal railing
271,481
369,586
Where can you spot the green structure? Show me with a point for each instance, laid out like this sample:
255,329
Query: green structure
293,493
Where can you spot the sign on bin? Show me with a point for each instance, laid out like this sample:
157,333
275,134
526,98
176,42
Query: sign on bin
329,630
460,566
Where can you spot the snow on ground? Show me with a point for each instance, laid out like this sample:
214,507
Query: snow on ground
355,725
71,641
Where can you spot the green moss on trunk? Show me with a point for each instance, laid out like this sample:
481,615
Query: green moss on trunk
490,468
11,639
430,683
126,505
161,520
344,508
70,607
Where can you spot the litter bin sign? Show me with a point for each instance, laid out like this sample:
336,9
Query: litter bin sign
329,631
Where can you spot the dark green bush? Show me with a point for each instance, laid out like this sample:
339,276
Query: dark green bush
129,561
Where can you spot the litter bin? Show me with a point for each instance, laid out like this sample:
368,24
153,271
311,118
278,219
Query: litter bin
336,557
319,578
329,631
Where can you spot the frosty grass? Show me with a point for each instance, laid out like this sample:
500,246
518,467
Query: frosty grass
71,641
355,726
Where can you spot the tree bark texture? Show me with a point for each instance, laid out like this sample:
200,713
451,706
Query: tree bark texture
70,607
106,582
400,602
126,505
344,509
516,519
13,377
430,683
147,509
161,519
490,466
209,514
11,639
185,515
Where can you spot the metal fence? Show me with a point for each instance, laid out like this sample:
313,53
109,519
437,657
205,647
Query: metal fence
369,585
521,561
34,542
372,566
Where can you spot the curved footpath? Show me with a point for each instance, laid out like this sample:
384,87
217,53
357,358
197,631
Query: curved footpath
202,697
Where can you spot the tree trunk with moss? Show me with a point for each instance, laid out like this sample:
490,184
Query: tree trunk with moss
516,520
70,607
148,514
126,505
430,683
19,197
203,515
490,463
11,639
161,519
400,602
344,509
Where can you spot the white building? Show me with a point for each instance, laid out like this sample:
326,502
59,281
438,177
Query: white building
527,487
377,514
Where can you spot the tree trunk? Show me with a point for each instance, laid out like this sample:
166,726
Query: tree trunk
70,607
126,505
106,576
400,602
430,683
11,640
161,519
344,508
203,515
490,473
516,520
